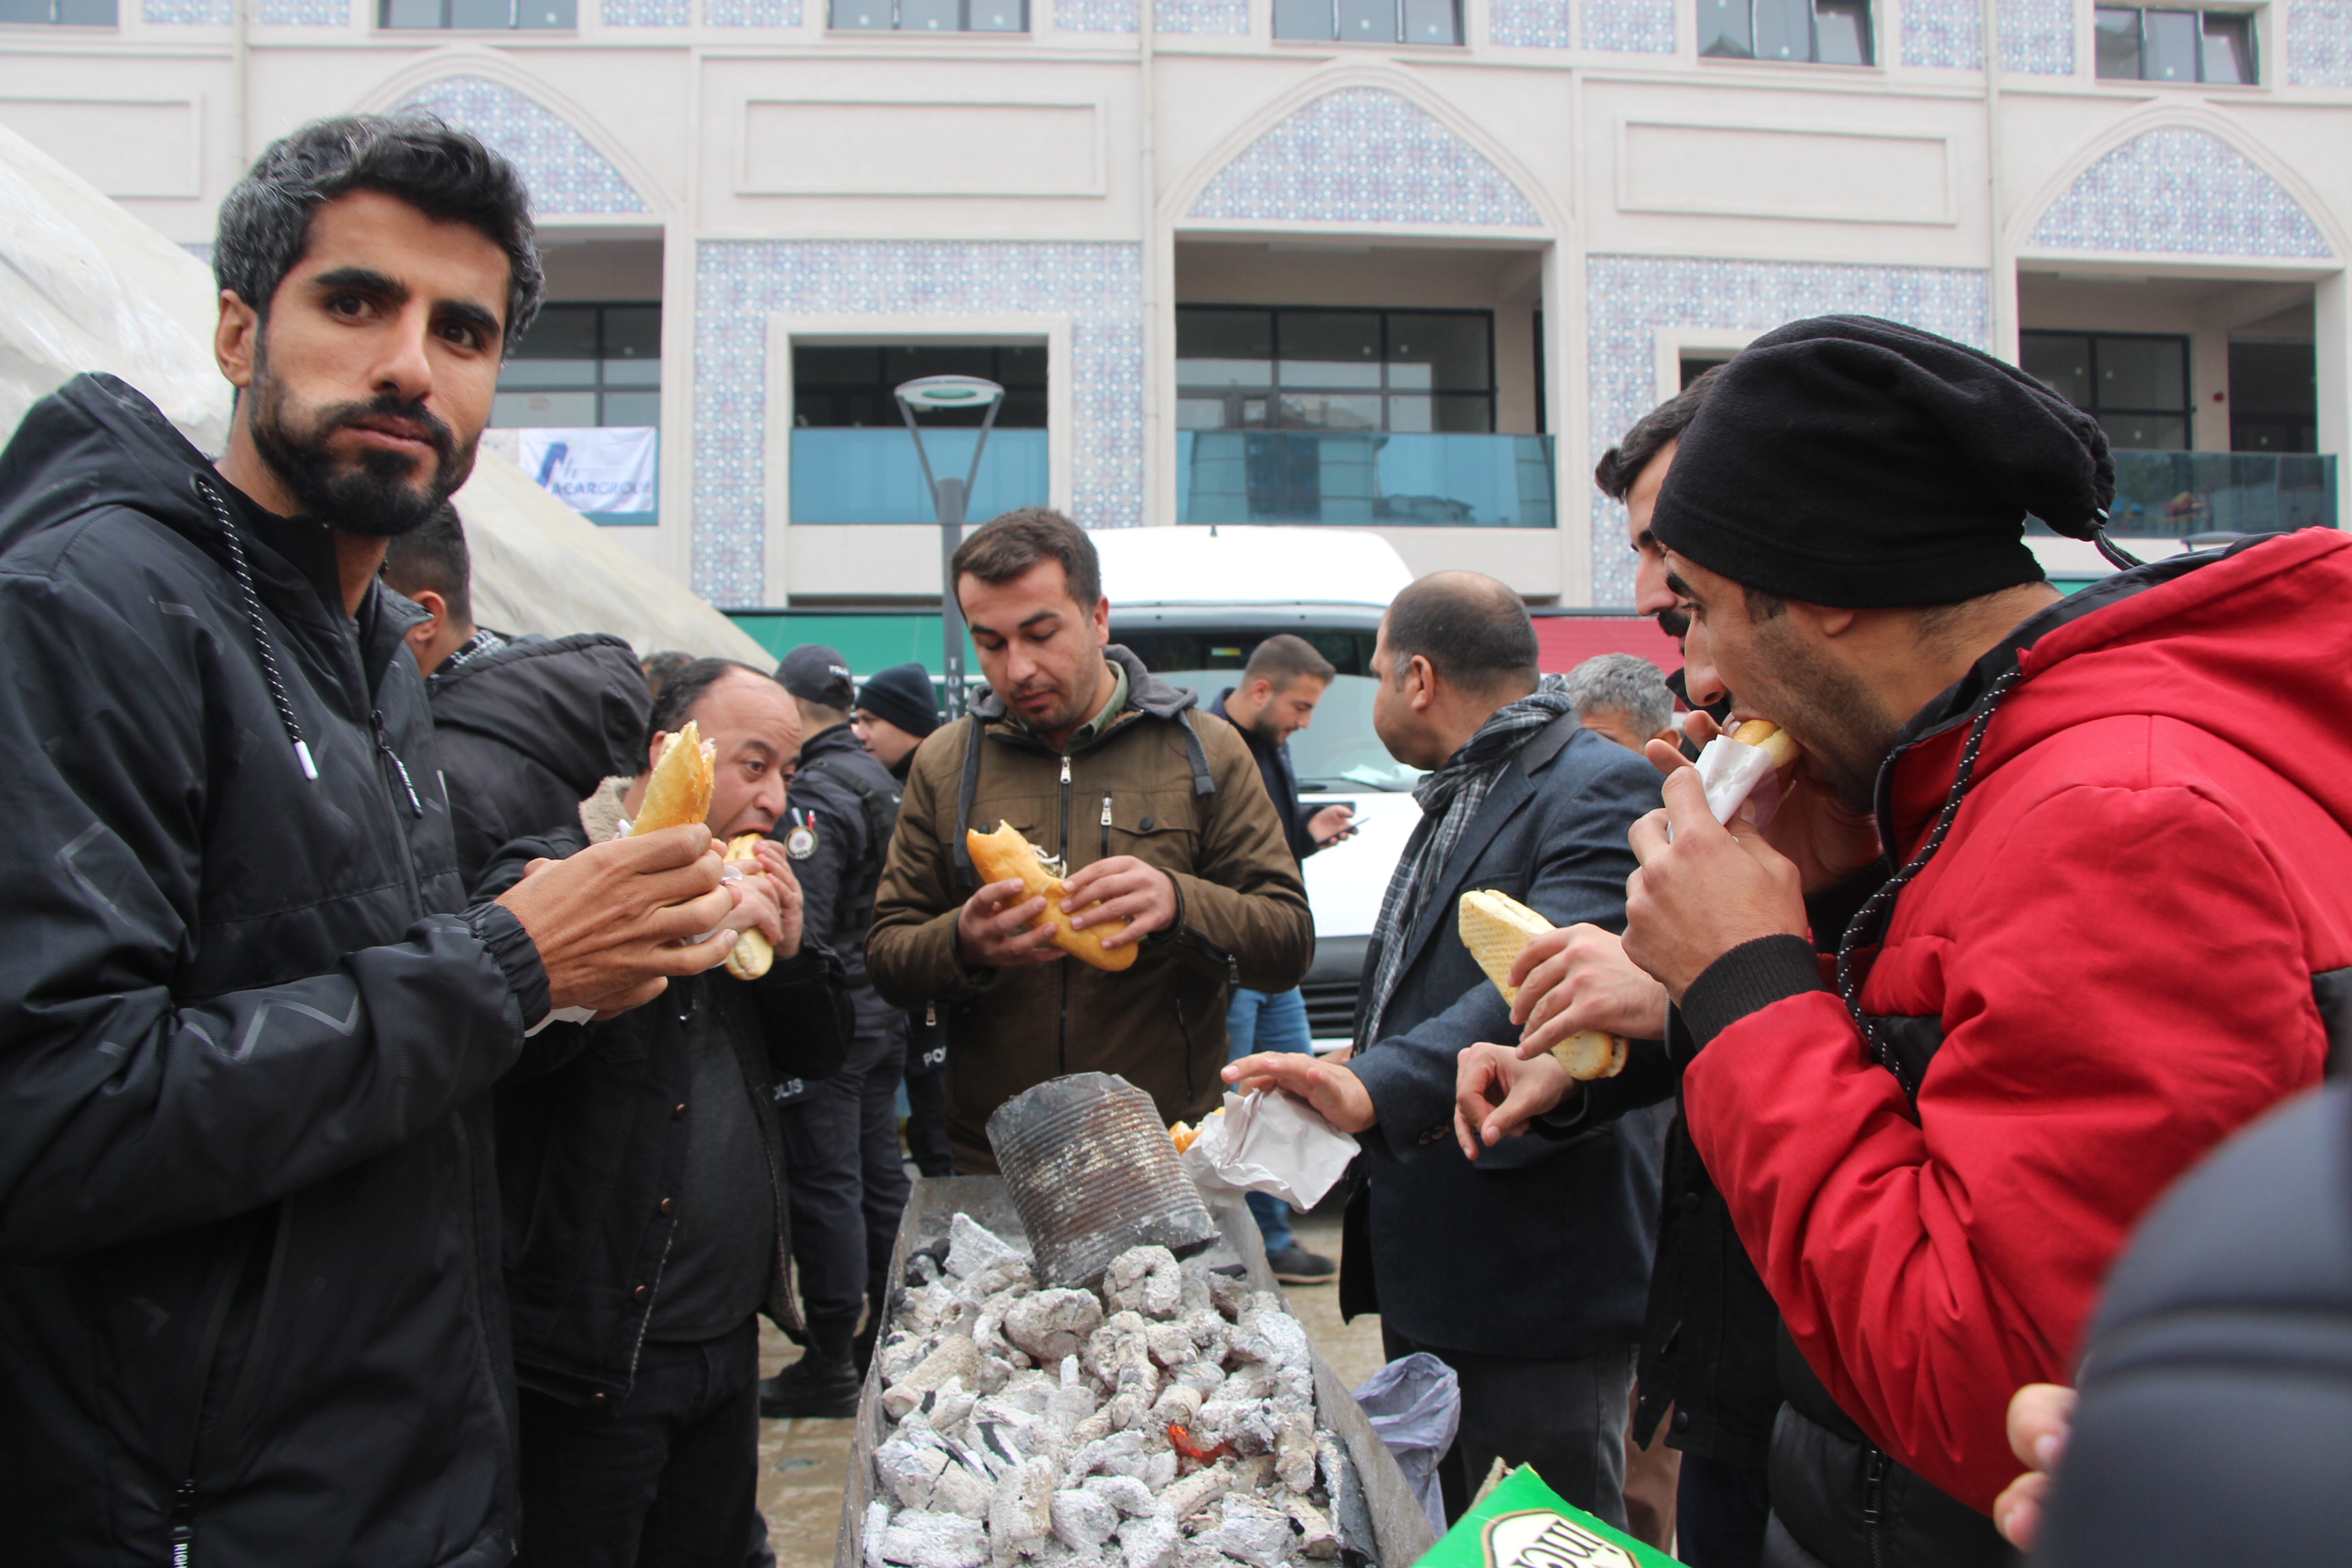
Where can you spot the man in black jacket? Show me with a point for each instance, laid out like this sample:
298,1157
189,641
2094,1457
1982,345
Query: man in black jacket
526,726
849,1178
895,711
644,1189
248,1300
1525,1273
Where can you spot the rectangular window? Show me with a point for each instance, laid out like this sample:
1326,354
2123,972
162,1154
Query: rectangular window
852,386
584,365
2274,397
479,15
1369,21
1250,368
2135,384
930,16
2181,47
58,13
1818,32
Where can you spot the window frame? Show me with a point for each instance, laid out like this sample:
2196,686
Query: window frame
1041,388
964,16
1871,38
2251,16
602,388
1402,40
2185,411
112,23
1274,387
384,23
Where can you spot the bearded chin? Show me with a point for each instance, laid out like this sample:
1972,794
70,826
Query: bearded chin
380,497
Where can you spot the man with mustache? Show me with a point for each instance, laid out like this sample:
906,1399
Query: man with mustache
2108,928
249,1302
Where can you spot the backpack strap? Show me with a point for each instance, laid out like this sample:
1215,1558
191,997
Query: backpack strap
1198,755
966,791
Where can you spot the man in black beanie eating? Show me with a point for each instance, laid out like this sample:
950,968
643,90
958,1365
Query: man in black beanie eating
2104,918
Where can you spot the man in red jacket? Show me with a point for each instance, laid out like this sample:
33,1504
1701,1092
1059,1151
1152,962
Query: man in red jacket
2112,921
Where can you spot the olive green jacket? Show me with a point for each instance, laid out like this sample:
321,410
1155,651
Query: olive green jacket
1175,787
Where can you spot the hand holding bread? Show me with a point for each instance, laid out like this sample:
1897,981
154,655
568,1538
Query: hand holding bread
1495,927
1004,856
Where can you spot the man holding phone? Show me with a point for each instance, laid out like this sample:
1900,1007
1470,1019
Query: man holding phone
1280,685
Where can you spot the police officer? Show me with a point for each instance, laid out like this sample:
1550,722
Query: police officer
848,1181
895,711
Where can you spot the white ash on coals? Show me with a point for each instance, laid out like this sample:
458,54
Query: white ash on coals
1166,1421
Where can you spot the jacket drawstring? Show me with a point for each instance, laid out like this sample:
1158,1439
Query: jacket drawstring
260,632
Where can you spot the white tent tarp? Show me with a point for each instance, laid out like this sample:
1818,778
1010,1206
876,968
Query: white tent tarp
84,286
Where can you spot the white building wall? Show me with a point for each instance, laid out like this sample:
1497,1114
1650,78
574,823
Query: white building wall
1649,201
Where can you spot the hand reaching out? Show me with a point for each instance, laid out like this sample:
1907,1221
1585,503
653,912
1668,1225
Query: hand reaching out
2039,1416
1577,977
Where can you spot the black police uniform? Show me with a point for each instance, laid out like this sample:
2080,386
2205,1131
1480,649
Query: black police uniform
848,1181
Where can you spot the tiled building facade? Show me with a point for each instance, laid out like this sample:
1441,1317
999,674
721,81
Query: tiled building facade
1606,189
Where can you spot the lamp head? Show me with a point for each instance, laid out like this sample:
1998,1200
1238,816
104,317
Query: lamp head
937,392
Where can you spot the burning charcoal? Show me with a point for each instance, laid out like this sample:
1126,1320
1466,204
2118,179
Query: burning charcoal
1294,1453
1318,1539
954,1358
1269,1334
999,1275
1145,1279
972,1247
877,1521
1083,1522
1351,1515
1121,1453
921,1269
1200,1554
1247,1424
1252,1531
1228,1295
1149,1541
994,1371
920,1539
1179,1405
1170,1344
911,1471
1020,1515
900,1353
1125,1493
1196,1491
1107,1345
1159,1469
1203,1376
1197,1291
948,1405
1073,1400
1250,1381
960,1491
1052,1324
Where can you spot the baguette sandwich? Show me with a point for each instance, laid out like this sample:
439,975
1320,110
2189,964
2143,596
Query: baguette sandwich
679,791
1495,927
1767,737
1004,855
752,954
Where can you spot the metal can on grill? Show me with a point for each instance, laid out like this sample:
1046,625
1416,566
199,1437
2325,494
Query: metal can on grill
1093,1172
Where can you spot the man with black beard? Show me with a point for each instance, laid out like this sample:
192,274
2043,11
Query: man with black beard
249,1309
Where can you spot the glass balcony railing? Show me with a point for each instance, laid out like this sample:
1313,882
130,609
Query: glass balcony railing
871,475
2176,493
1399,480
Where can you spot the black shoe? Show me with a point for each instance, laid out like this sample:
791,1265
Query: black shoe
1294,1264
812,1387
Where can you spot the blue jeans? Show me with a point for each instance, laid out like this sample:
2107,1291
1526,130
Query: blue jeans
1268,1021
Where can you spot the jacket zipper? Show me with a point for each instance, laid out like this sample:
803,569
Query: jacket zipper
384,745
1062,1018
1105,828
407,843
183,1521
1873,1487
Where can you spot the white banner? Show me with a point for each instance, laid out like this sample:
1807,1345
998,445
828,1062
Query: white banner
605,469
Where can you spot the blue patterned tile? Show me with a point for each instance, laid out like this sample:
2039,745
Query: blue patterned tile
1364,155
1630,27
1228,18
186,13
645,13
1529,23
2037,36
1943,35
750,13
303,13
2319,43
564,173
1095,16
2178,192
740,283
1628,299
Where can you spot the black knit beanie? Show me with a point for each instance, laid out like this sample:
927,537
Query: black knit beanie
1855,462
902,694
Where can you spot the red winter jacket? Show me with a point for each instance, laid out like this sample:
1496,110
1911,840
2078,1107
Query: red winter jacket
2118,944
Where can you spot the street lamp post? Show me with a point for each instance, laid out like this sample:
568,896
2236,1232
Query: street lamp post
949,498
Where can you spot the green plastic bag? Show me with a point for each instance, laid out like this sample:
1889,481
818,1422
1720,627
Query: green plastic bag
1523,1523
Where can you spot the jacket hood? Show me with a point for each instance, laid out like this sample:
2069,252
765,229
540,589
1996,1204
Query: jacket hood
2248,643
1146,692
575,705
98,441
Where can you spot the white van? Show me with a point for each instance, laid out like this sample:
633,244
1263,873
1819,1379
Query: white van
1191,603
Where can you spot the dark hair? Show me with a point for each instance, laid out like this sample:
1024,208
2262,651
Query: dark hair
433,555
1622,464
447,176
674,703
1283,659
1008,544
1472,630
661,668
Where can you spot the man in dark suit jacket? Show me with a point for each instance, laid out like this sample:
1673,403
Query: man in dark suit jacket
1527,1272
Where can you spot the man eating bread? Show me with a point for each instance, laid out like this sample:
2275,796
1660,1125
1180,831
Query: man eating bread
1171,860
2105,921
